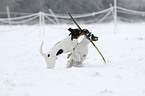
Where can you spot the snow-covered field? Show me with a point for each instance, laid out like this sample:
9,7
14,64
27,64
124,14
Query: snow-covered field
23,70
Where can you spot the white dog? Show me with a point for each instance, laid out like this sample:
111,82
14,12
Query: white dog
79,54
69,44
64,46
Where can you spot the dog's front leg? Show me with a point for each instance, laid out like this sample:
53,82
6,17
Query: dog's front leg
74,60
70,63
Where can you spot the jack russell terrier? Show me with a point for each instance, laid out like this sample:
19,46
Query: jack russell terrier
69,44
79,54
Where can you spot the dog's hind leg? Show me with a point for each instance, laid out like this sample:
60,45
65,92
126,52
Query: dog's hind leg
70,63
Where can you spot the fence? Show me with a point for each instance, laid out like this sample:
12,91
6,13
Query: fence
113,12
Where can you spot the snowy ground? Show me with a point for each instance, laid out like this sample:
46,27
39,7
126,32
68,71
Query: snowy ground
23,70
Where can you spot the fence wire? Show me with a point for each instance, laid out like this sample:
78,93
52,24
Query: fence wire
123,14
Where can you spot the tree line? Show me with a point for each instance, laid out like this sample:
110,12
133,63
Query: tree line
63,6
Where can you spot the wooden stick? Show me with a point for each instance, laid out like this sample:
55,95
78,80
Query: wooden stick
88,38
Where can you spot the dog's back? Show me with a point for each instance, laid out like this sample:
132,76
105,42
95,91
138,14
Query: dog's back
66,45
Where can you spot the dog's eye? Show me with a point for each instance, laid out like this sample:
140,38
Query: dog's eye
48,55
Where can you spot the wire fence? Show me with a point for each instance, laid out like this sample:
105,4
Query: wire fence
105,15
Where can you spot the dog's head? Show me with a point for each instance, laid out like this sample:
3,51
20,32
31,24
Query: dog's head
49,58
75,33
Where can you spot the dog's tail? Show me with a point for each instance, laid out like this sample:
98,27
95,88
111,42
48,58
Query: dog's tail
41,52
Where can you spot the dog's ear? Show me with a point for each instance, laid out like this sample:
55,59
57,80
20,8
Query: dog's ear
70,29
59,52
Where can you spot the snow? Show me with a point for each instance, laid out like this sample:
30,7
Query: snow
23,70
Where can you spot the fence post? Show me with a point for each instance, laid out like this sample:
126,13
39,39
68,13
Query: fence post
112,8
115,16
54,16
43,18
41,23
8,14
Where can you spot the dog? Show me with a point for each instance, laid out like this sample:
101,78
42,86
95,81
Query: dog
64,46
79,54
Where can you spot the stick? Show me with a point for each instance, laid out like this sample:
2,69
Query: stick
88,38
